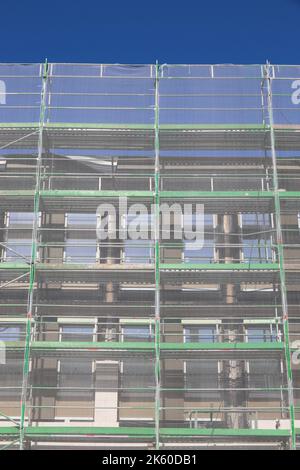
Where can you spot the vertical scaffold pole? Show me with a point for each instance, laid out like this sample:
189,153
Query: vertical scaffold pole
27,348
157,262
283,291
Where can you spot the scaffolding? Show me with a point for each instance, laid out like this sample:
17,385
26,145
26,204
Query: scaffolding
149,343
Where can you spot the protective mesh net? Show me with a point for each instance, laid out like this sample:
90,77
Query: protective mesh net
74,136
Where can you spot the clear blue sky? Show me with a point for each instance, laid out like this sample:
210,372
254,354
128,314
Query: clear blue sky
141,31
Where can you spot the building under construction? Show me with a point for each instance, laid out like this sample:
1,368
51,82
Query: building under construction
149,343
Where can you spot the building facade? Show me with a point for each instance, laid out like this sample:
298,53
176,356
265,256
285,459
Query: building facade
149,256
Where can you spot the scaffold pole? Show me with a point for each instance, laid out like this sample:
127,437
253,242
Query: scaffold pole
157,263
26,360
283,290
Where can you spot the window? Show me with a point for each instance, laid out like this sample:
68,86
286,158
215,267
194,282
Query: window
82,219
81,244
138,333
80,251
139,250
12,333
21,247
256,238
205,254
264,375
257,250
11,381
77,333
201,380
19,236
137,393
75,380
261,334
291,236
262,220
137,378
19,219
200,334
